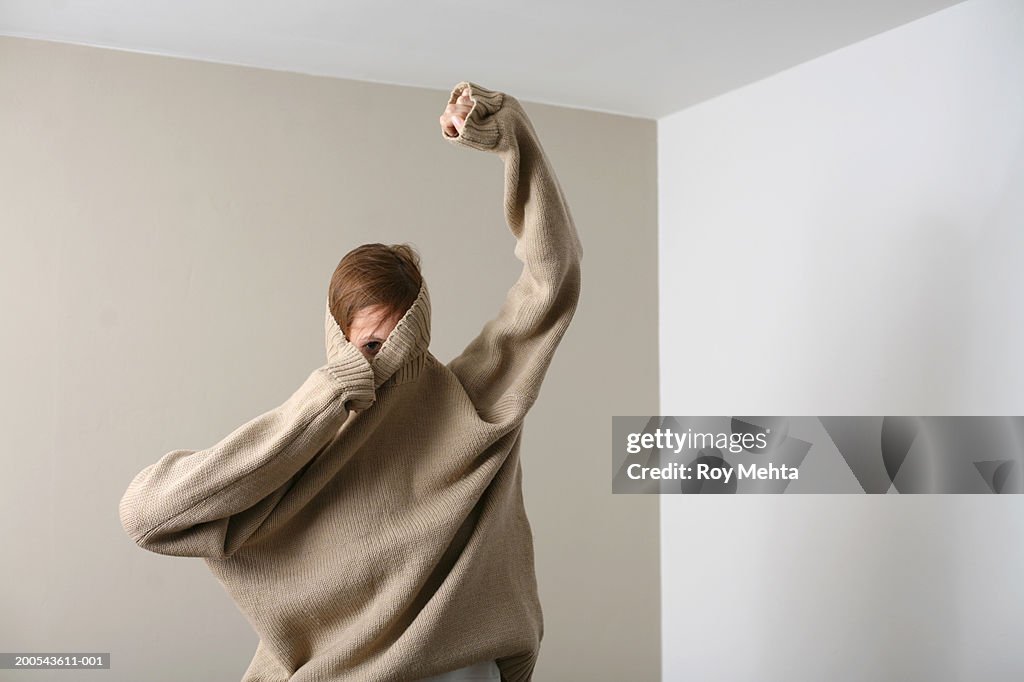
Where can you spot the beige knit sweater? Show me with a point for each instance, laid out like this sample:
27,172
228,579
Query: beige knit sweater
372,527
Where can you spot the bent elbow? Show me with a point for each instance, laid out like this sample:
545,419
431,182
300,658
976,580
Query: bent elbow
130,513
205,540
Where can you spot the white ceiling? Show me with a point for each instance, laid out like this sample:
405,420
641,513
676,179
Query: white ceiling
644,58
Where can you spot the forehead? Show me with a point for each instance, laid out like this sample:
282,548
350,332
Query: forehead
374,317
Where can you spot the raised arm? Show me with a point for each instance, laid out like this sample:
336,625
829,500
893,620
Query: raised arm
506,363
207,503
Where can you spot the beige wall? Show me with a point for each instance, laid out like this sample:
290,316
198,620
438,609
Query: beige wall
169,228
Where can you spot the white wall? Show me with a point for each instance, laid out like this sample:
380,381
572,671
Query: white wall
847,237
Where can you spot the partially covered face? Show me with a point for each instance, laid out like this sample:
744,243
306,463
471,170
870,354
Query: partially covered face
371,326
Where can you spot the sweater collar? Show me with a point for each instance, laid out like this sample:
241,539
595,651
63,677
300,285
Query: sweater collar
408,340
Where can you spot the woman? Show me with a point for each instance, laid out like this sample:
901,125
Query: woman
372,526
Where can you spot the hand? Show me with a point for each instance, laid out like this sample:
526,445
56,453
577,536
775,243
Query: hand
454,117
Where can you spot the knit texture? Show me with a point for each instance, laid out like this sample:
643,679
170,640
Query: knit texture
371,528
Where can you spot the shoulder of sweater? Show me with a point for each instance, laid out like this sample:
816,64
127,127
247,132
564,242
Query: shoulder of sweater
506,413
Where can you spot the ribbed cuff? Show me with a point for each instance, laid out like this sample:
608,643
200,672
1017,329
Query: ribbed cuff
354,374
481,129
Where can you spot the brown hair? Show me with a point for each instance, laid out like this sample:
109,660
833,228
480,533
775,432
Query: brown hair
374,274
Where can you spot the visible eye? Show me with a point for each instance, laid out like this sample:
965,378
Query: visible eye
372,346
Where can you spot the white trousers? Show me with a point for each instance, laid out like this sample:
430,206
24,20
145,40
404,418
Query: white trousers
478,672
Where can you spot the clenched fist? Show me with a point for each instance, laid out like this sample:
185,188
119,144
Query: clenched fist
454,116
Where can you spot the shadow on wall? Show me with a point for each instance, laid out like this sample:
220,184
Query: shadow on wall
997,316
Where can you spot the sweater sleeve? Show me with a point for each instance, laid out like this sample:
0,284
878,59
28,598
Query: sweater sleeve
508,359
207,503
